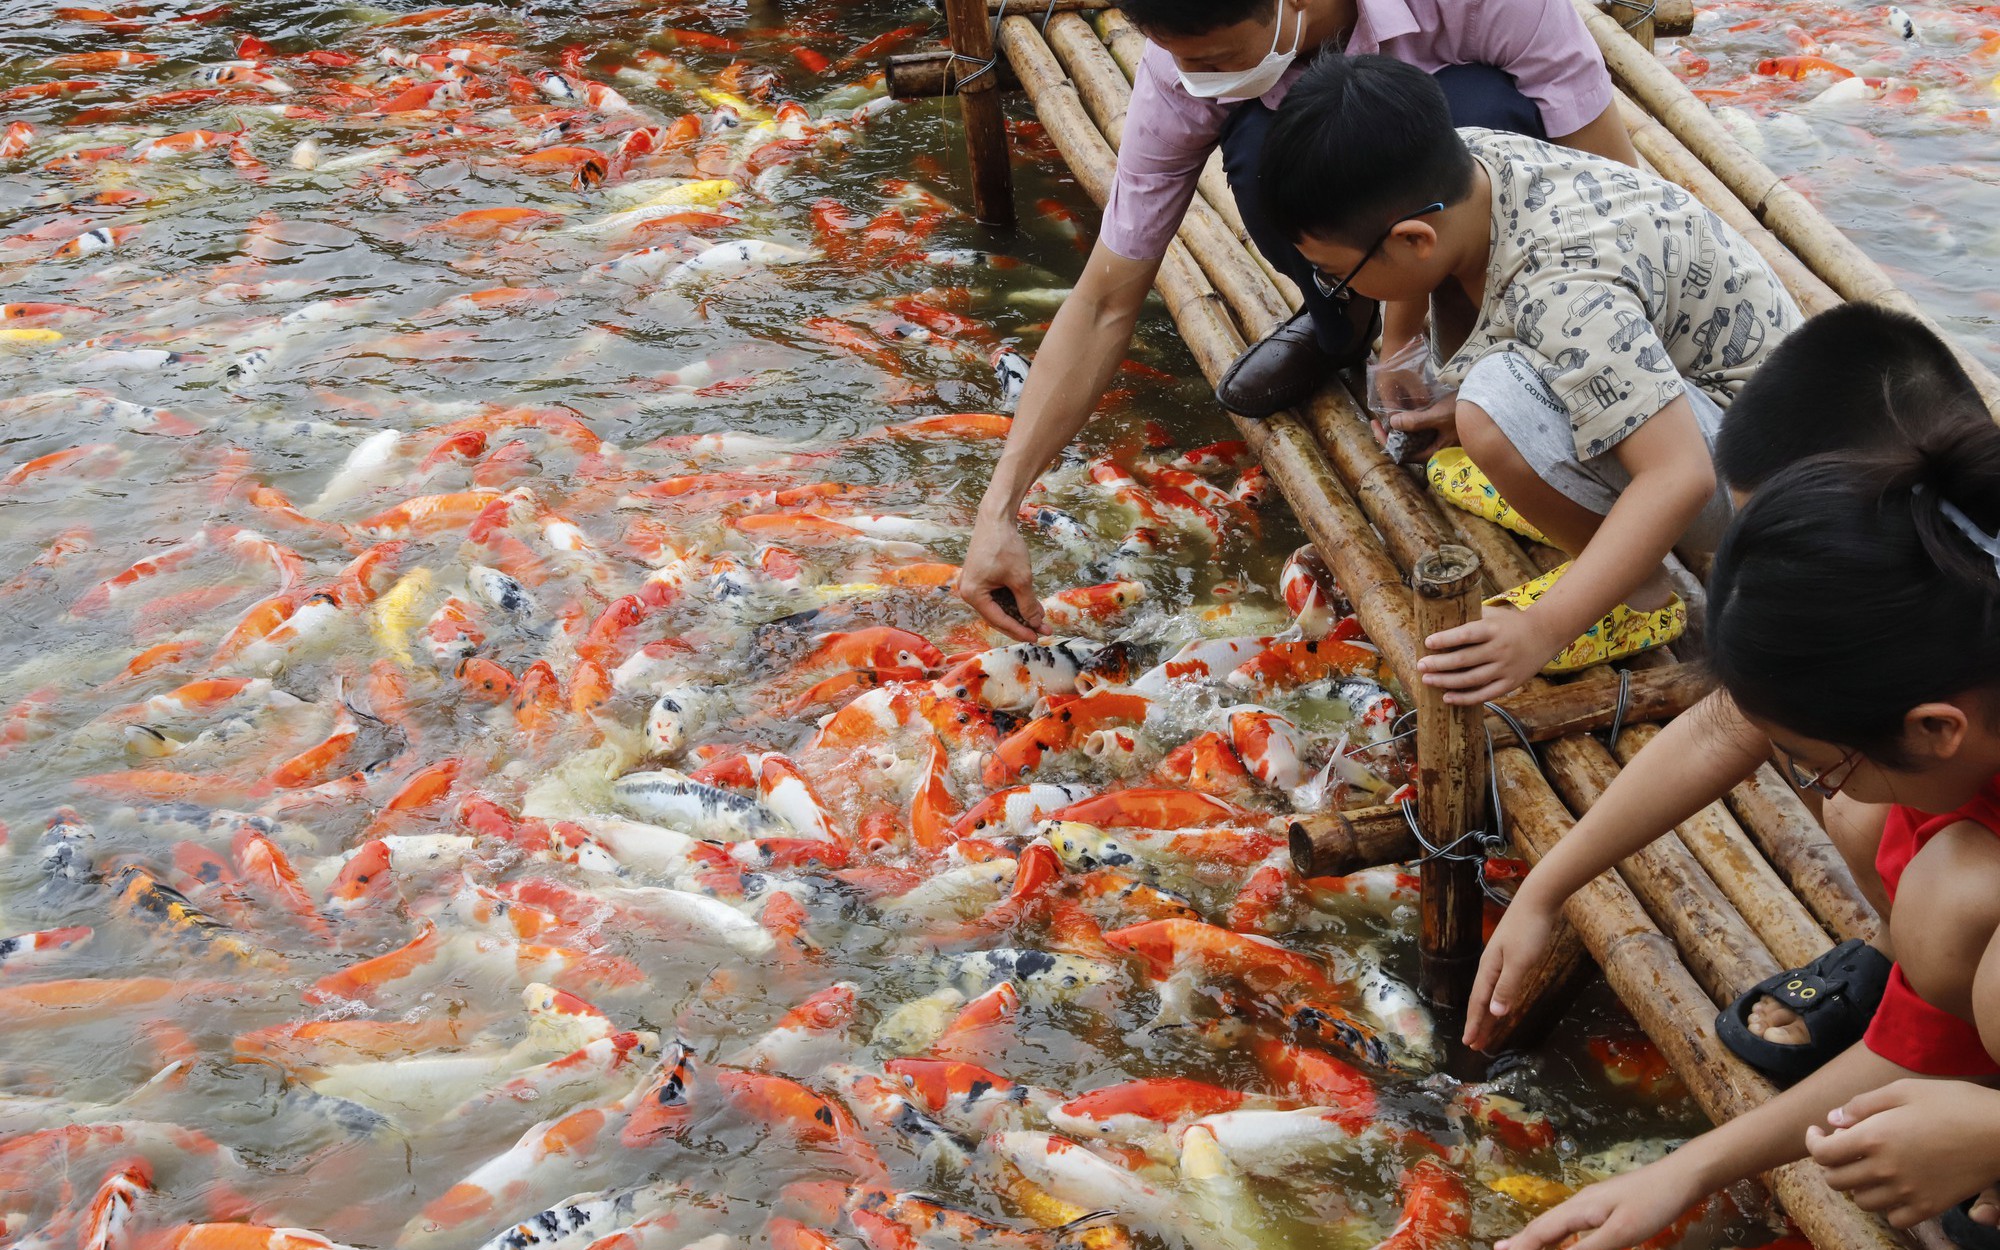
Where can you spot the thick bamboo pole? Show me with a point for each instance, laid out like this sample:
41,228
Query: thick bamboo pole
1790,216
1291,456
1127,45
1641,966
1554,711
1451,791
1672,161
1036,8
1740,871
1799,849
1401,509
979,105
1105,95
1718,946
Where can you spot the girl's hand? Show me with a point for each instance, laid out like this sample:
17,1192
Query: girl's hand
1511,954
1912,1148
1614,1214
1484,659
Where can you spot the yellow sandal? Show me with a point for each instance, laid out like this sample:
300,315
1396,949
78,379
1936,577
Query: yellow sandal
1453,475
1623,631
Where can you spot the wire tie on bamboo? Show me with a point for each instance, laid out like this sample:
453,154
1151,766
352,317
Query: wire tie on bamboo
1645,11
949,84
1618,714
1395,735
1449,851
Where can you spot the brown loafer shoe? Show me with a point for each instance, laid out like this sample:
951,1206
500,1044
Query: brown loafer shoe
1284,368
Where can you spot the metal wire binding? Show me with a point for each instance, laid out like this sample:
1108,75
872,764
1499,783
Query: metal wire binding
990,65
1449,851
1395,735
1520,733
1618,713
1644,10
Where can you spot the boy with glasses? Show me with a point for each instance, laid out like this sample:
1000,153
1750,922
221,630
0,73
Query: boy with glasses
1595,321
1211,74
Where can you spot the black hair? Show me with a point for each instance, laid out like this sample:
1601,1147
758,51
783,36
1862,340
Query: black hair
1186,18
1845,594
1846,379
1358,142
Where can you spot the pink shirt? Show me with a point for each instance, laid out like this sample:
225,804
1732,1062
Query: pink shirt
1169,133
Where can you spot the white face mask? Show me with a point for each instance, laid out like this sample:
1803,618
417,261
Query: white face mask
1248,84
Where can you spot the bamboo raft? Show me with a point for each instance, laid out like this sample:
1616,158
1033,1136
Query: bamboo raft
1741,890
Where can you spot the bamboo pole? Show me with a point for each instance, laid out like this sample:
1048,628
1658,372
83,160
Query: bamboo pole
1451,791
1641,966
1803,856
1126,45
1290,455
1718,946
1672,161
1400,508
1790,216
1559,711
1332,844
979,106
928,75
1740,871
1105,95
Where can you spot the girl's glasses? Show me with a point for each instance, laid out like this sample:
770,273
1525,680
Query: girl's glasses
1819,782
1337,288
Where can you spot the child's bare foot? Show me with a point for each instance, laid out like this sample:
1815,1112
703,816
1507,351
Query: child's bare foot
1986,1208
1778,1024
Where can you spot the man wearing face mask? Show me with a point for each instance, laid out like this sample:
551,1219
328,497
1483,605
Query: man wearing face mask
1212,73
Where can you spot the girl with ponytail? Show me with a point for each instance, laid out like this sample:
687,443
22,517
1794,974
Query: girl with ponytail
1854,620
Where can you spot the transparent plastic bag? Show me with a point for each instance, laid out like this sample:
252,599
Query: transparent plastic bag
1406,381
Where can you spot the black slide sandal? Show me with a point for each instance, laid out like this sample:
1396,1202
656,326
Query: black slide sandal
1965,1232
1836,995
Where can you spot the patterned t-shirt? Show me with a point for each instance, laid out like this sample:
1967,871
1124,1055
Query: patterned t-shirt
1617,287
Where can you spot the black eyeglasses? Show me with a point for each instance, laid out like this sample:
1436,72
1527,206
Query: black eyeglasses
1817,782
1339,289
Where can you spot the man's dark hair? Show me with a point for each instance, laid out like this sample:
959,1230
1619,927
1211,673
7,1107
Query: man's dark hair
1186,18
1853,378
1358,142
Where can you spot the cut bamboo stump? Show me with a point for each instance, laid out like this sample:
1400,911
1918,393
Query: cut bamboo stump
928,75
1740,871
1333,844
979,105
1641,966
1451,791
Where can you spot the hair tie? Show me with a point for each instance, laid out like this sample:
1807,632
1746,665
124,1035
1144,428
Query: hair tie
1988,543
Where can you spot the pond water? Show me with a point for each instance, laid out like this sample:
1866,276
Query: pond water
386,534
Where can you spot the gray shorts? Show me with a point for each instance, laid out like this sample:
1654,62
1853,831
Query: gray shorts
1507,387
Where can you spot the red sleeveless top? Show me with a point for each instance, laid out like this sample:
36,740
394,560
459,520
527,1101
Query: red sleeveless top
1906,1030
